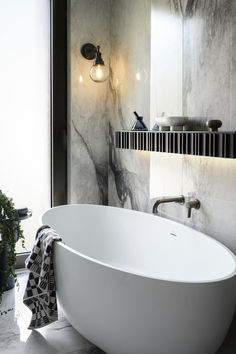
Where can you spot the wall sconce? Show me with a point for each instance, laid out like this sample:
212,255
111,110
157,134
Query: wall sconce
98,72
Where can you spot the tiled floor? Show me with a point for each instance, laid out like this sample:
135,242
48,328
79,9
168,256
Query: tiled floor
57,338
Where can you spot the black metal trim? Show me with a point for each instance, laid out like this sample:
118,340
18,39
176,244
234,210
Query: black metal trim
200,143
88,51
59,20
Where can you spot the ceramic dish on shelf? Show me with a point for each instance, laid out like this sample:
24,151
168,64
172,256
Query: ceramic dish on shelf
162,123
171,123
176,122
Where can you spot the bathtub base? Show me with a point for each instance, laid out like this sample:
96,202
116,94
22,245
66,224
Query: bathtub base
126,314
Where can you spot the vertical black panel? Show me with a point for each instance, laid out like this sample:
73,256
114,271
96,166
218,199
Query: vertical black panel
220,145
211,139
186,142
200,143
233,146
156,145
192,143
183,144
227,145
59,102
174,143
145,144
224,145
152,141
214,145
195,143
149,141
163,135
170,139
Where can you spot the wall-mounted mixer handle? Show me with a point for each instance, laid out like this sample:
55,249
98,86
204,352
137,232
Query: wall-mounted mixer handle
192,204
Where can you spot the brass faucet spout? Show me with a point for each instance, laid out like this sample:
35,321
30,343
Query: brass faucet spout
179,200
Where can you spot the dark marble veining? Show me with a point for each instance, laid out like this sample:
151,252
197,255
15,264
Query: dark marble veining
130,190
89,105
100,169
128,173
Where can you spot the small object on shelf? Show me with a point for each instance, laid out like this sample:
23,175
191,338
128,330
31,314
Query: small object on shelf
177,123
155,128
214,124
161,123
173,123
139,124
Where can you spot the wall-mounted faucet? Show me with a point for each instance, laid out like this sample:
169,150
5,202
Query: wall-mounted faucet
179,200
192,204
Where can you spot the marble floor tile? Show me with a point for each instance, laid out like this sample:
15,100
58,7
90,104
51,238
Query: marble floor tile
59,337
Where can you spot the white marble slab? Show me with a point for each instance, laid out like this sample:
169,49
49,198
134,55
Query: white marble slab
59,337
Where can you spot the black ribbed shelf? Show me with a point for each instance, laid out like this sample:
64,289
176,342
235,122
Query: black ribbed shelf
200,143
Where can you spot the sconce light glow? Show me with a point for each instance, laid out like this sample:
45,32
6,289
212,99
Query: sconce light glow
98,72
81,78
140,75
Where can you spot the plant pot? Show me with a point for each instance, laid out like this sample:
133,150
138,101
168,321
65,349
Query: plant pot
4,267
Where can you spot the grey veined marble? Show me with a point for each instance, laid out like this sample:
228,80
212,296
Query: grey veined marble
88,105
130,59
209,60
58,338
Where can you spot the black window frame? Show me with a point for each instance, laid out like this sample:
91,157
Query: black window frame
59,35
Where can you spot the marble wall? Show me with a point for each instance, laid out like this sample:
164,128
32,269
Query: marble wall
88,104
209,90
130,91
210,61
97,110
99,173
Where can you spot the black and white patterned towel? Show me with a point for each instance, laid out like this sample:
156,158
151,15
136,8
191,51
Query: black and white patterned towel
40,292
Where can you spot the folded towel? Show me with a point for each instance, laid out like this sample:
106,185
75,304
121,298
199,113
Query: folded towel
40,292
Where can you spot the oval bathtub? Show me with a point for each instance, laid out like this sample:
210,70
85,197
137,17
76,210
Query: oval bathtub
132,282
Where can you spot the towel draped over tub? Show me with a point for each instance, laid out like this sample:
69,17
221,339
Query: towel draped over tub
40,292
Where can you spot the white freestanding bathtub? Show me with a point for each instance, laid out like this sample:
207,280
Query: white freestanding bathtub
131,282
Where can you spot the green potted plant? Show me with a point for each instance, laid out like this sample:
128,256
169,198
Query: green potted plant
10,233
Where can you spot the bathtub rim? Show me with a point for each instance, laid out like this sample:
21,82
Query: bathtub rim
140,274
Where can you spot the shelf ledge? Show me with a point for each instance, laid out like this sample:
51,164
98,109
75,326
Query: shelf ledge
199,143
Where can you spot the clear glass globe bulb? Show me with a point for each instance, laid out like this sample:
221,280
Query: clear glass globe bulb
99,73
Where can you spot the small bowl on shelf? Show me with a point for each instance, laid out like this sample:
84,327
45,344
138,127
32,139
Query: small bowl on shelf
177,123
162,123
